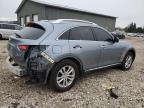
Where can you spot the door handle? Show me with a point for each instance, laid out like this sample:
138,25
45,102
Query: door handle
103,46
77,46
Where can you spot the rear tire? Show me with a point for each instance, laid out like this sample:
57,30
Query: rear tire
128,61
1,37
64,75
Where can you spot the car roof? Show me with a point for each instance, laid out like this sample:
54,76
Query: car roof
60,26
68,22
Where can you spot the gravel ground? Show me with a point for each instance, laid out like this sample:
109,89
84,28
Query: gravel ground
87,93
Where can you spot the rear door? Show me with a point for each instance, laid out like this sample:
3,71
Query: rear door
84,47
110,51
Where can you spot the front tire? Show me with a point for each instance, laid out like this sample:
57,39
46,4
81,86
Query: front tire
64,75
128,61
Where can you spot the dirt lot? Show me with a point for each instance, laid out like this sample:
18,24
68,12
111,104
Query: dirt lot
87,93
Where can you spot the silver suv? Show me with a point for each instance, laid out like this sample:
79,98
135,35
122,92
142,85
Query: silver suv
58,51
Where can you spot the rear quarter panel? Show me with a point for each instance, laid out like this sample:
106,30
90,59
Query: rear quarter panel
56,49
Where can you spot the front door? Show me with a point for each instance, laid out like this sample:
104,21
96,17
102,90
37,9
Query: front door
110,54
110,51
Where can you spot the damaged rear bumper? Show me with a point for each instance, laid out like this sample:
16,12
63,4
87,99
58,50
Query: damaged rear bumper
15,69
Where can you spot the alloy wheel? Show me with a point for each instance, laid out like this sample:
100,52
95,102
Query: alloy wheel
65,76
128,61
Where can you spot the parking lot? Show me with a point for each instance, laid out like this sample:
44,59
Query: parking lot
88,92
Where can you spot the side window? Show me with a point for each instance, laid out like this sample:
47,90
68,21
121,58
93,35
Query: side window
81,33
5,26
102,35
64,36
75,34
12,27
86,33
8,26
2,26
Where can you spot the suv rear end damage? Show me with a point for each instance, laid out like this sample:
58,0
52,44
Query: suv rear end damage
25,52
38,64
14,68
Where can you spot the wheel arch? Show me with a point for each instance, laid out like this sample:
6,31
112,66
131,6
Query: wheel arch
78,62
132,50
74,59
1,36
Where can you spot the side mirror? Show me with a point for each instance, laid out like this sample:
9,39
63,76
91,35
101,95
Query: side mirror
116,39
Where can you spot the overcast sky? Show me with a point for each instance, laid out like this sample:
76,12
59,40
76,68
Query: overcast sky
127,11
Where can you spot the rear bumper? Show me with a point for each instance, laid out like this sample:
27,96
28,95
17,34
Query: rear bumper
15,69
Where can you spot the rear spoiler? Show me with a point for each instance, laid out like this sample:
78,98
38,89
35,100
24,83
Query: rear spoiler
35,25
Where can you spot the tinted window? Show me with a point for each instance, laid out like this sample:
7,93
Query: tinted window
32,31
102,35
11,27
64,36
0,26
81,33
4,26
86,33
75,34
7,26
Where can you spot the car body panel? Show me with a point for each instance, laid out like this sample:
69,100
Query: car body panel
89,54
111,53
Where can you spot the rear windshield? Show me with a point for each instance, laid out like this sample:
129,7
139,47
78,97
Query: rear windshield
31,32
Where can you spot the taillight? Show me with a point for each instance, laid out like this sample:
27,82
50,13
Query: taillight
23,48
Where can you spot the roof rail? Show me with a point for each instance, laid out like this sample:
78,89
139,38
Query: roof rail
72,20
